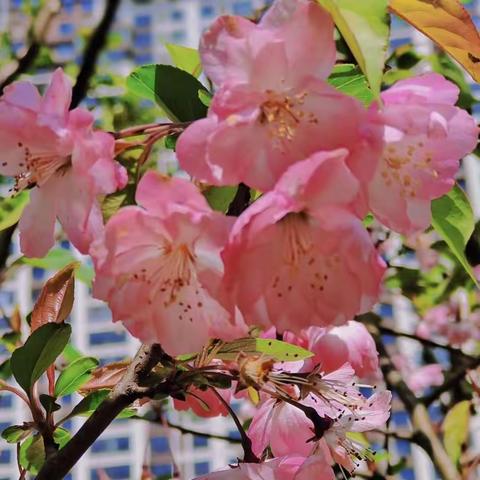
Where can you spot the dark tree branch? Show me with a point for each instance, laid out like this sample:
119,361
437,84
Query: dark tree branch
92,51
40,30
240,202
125,392
428,343
452,380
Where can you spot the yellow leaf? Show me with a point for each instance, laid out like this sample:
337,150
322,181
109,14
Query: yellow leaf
448,24
455,429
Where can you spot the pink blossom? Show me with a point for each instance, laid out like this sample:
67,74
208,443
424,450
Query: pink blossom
55,151
291,467
313,260
158,265
425,137
418,378
273,107
350,343
340,406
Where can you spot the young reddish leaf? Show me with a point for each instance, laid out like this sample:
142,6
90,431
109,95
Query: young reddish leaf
105,377
56,300
448,24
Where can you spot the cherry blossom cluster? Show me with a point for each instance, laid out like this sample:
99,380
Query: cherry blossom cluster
298,260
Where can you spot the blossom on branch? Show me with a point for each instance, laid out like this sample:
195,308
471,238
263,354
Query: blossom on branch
66,164
313,260
273,106
158,266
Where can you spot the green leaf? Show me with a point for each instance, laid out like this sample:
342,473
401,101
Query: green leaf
49,404
88,404
219,198
281,351
11,209
61,436
5,370
365,28
70,353
41,349
185,58
9,340
173,89
32,454
16,433
452,218
349,79
455,429
56,259
74,376
205,97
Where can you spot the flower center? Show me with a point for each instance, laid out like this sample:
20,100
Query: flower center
169,273
282,114
401,164
297,239
39,168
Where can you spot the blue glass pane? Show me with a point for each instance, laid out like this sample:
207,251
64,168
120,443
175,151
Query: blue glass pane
87,5
66,28
401,418
143,21
202,468
6,400
242,8
114,473
5,456
102,338
199,442
403,447
407,474
159,444
143,58
177,15
142,40
161,470
207,11
111,445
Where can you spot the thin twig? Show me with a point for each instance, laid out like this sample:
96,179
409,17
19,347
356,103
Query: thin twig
249,456
39,32
92,51
426,342
240,202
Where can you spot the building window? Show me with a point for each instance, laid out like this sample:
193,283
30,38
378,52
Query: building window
6,298
6,400
162,470
102,338
87,5
159,444
207,11
111,445
242,8
65,50
177,15
142,21
121,472
5,456
202,468
102,314
142,40
200,442
66,28
143,58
